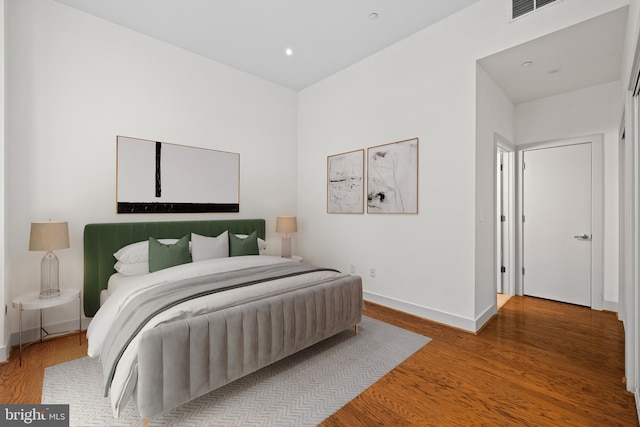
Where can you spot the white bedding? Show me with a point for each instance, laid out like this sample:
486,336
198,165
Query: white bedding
125,376
115,280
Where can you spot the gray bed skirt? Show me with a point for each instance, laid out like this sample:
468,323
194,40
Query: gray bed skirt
184,359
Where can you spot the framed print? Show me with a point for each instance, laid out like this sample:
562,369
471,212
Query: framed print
158,177
392,177
345,183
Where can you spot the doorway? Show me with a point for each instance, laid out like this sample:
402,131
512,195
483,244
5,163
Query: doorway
505,220
561,228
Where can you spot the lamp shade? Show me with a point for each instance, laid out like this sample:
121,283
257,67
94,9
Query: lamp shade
286,224
49,236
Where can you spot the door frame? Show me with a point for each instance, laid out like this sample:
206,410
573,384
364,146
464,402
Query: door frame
597,211
624,239
630,285
502,145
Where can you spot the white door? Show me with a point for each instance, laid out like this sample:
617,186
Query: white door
557,223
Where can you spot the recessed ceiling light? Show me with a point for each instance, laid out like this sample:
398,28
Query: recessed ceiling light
373,16
288,51
526,64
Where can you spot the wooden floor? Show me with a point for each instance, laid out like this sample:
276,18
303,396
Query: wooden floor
502,300
538,363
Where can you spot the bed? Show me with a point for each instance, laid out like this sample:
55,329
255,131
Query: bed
170,335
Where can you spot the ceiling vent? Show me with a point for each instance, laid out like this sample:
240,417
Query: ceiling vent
522,7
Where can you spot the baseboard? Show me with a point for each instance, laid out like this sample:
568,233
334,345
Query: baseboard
449,319
33,334
636,394
4,353
610,306
487,315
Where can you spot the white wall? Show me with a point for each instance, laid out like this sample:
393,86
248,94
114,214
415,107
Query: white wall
629,283
425,87
631,38
595,110
495,113
4,326
75,82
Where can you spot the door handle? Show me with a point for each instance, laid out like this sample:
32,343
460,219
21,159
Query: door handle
583,236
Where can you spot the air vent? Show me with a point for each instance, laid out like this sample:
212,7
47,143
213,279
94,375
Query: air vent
522,7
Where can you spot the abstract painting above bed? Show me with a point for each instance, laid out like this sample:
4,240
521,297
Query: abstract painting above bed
159,177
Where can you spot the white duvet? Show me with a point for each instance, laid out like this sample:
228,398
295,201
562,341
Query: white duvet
124,380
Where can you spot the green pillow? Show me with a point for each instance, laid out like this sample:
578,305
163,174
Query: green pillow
243,246
164,256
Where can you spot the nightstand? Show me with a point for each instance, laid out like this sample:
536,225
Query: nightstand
32,301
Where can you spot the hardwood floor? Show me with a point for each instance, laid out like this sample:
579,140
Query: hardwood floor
23,384
536,363
502,300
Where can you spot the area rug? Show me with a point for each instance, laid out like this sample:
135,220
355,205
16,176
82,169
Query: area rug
301,390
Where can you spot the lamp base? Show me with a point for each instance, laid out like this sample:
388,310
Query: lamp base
49,268
49,293
286,246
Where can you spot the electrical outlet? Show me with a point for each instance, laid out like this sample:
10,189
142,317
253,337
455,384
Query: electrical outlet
352,268
372,272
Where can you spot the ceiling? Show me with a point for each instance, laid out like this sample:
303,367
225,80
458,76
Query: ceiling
327,36
583,55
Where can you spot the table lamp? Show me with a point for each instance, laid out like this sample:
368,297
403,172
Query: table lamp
49,236
286,225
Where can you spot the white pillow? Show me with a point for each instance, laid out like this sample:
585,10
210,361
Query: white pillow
132,269
138,252
262,245
204,247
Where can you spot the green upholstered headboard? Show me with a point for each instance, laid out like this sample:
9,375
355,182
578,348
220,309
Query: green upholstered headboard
101,241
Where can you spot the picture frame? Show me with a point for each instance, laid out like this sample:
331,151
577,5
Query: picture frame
392,178
160,177
345,183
